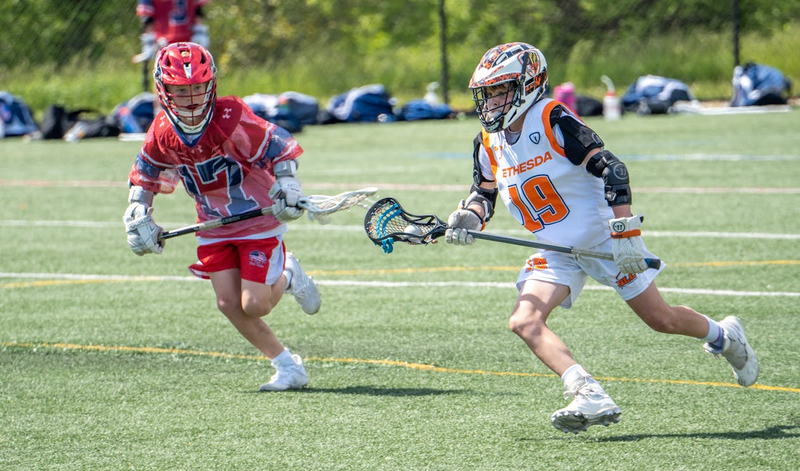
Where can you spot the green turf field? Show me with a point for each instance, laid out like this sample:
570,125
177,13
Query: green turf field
112,361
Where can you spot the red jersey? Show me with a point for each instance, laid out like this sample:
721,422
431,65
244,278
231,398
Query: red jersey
227,171
172,19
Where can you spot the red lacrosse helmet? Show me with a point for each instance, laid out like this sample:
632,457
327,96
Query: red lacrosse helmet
189,71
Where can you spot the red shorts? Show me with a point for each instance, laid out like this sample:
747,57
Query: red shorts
260,260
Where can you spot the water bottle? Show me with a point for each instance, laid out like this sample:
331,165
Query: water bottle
612,109
76,132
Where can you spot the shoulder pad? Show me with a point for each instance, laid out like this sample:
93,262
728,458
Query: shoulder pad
579,139
477,175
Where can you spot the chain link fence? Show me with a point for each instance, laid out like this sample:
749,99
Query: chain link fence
60,32
327,46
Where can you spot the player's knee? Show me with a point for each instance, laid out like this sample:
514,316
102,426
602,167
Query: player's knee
665,323
525,325
229,305
255,307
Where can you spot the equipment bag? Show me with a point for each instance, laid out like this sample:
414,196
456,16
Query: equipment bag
57,120
651,94
369,103
421,109
759,85
16,115
136,114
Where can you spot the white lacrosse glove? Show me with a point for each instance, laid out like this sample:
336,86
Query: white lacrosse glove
627,245
142,231
460,221
286,194
200,35
149,47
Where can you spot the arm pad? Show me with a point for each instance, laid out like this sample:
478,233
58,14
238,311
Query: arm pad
285,168
138,194
614,173
485,198
579,139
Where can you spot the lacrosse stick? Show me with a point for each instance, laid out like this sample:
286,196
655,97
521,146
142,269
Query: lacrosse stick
319,208
386,222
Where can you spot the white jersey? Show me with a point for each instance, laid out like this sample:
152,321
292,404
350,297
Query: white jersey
558,201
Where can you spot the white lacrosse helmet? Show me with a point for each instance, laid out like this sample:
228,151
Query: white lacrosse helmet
520,65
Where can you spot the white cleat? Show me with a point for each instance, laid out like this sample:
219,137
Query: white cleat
737,351
590,406
303,287
289,377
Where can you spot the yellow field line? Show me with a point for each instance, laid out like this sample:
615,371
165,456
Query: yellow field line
33,284
403,364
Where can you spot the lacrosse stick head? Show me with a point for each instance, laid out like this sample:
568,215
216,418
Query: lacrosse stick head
320,207
386,222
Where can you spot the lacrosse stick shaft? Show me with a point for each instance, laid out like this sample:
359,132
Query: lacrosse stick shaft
651,262
311,203
204,226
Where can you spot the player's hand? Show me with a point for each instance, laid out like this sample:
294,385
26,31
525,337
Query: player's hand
142,231
286,194
200,35
627,245
460,221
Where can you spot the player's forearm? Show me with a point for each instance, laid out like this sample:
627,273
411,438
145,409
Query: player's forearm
622,211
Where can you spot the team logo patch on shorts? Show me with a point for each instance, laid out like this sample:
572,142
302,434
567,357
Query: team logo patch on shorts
536,263
258,259
623,280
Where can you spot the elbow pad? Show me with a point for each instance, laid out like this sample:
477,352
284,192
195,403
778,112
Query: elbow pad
485,198
614,173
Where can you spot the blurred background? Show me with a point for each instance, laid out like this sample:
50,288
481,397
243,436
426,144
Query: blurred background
77,53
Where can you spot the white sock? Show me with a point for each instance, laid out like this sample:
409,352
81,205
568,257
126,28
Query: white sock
574,373
288,276
715,335
283,360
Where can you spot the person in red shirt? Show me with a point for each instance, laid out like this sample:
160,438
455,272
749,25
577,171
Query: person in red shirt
170,21
230,161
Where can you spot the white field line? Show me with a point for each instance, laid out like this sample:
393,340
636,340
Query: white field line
358,228
386,284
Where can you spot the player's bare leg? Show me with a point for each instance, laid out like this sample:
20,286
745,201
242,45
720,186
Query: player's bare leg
683,320
590,405
244,303
535,303
230,298
661,317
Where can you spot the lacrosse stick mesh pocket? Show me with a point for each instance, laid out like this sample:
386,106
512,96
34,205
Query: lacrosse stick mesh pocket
386,222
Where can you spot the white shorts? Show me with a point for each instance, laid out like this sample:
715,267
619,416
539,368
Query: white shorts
565,269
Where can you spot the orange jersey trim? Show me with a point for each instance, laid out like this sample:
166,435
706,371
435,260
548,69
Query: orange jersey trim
548,129
488,148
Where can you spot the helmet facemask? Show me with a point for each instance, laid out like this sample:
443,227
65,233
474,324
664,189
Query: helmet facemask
185,77
190,105
497,110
